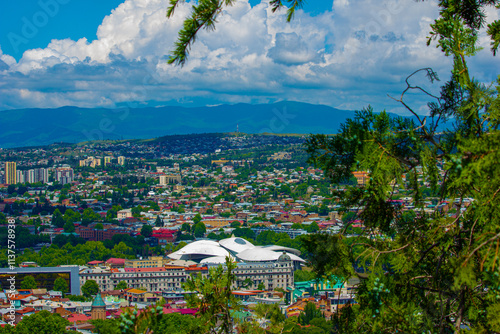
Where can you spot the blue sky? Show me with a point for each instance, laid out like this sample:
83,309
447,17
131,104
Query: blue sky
346,54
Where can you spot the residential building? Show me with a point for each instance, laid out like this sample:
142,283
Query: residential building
121,160
167,179
64,175
122,214
151,262
10,173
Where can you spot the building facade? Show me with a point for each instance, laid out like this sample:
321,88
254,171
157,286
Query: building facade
271,275
10,172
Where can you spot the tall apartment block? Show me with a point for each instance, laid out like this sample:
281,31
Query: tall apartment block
64,175
121,160
10,172
32,175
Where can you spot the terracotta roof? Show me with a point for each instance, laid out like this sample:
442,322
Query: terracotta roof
78,317
115,261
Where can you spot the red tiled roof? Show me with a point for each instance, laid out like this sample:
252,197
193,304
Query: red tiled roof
76,317
25,310
115,260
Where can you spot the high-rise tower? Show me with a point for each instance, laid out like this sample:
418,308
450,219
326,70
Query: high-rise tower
10,172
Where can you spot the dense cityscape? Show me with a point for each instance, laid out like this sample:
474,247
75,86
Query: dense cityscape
249,167
132,221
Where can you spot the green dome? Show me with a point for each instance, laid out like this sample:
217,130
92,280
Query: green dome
98,302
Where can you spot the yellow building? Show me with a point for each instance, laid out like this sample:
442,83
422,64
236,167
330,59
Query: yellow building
152,262
121,160
107,160
10,172
220,162
220,222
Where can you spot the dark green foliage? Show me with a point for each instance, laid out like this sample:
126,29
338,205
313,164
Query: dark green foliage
90,288
244,232
146,231
199,230
214,297
107,326
204,16
69,227
421,271
158,221
60,284
121,285
310,313
42,322
29,282
303,275
58,219
61,240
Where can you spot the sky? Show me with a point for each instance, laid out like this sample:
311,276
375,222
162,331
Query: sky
347,54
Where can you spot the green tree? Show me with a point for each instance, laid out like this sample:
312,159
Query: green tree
303,275
29,282
90,288
42,322
158,221
69,227
122,285
106,326
71,216
58,219
199,230
99,226
186,227
146,230
310,312
214,297
89,216
196,219
432,273
60,284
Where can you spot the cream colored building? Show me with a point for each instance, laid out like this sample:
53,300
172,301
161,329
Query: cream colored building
151,262
122,214
90,162
168,179
121,160
10,172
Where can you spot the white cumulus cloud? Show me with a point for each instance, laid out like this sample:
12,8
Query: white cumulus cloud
349,57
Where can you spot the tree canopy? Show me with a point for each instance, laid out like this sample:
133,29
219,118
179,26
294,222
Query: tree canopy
90,288
431,271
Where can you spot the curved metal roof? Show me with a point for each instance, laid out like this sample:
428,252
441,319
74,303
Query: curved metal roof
236,245
199,250
282,248
216,260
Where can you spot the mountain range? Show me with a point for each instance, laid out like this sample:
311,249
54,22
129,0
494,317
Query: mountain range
35,127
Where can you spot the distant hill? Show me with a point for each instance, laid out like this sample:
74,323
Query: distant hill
33,127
